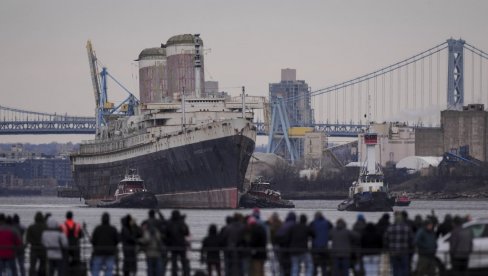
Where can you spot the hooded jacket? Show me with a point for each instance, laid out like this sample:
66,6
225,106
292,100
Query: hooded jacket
54,240
342,240
34,234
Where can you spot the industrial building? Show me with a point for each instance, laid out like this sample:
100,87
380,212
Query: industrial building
166,71
25,171
296,95
462,132
291,99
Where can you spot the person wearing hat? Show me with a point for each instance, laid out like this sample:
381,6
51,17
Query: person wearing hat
426,243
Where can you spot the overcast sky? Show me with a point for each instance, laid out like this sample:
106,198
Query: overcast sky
43,61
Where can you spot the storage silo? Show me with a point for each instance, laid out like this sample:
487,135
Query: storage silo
185,66
153,78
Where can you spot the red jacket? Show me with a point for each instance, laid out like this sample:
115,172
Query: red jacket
9,241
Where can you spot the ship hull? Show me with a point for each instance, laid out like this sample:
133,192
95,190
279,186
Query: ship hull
204,174
252,201
137,200
368,202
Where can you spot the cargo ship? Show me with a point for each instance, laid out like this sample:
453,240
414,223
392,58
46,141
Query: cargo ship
191,149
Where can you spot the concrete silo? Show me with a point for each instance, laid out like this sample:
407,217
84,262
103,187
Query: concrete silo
153,77
185,66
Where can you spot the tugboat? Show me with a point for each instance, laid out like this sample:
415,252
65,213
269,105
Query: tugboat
261,195
131,193
369,193
402,200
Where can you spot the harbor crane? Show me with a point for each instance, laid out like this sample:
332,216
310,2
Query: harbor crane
103,108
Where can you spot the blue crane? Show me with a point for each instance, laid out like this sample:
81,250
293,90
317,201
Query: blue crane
104,108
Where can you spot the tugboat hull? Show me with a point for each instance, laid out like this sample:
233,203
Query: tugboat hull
146,200
368,202
250,201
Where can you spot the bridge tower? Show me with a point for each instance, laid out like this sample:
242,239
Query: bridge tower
455,74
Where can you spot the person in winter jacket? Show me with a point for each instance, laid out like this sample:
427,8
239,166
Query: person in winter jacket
210,253
232,236
55,243
152,242
257,245
104,241
129,236
37,254
321,227
370,242
273,224
178,232
426,243
341,249
20,254
460,246
9,243
282,238
398,239
299,236
74,234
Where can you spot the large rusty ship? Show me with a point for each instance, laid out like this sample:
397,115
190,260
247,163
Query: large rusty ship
192,150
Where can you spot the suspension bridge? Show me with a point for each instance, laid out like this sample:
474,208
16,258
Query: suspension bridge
413,90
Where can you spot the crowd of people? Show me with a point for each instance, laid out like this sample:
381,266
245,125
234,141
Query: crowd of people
241,247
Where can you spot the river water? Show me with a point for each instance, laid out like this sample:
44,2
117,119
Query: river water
199,220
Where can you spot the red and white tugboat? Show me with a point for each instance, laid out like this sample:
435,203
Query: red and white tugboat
402,200
369,193
131,193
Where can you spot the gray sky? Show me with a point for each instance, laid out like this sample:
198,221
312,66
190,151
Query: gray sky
43,61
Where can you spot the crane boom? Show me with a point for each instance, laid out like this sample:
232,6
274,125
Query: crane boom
92,61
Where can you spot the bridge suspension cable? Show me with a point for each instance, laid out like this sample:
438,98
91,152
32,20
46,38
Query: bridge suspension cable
376,73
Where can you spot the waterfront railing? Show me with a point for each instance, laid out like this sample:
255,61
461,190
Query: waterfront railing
377,262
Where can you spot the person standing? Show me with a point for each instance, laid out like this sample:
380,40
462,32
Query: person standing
210,253
152,242
320,227
426,242
273,224
9,243
178,232
20,254
72,231
299,236
37,254
55,243
341,250
232,236
460,246
104,241
370,242
129,236
282,237
398,239
257,245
